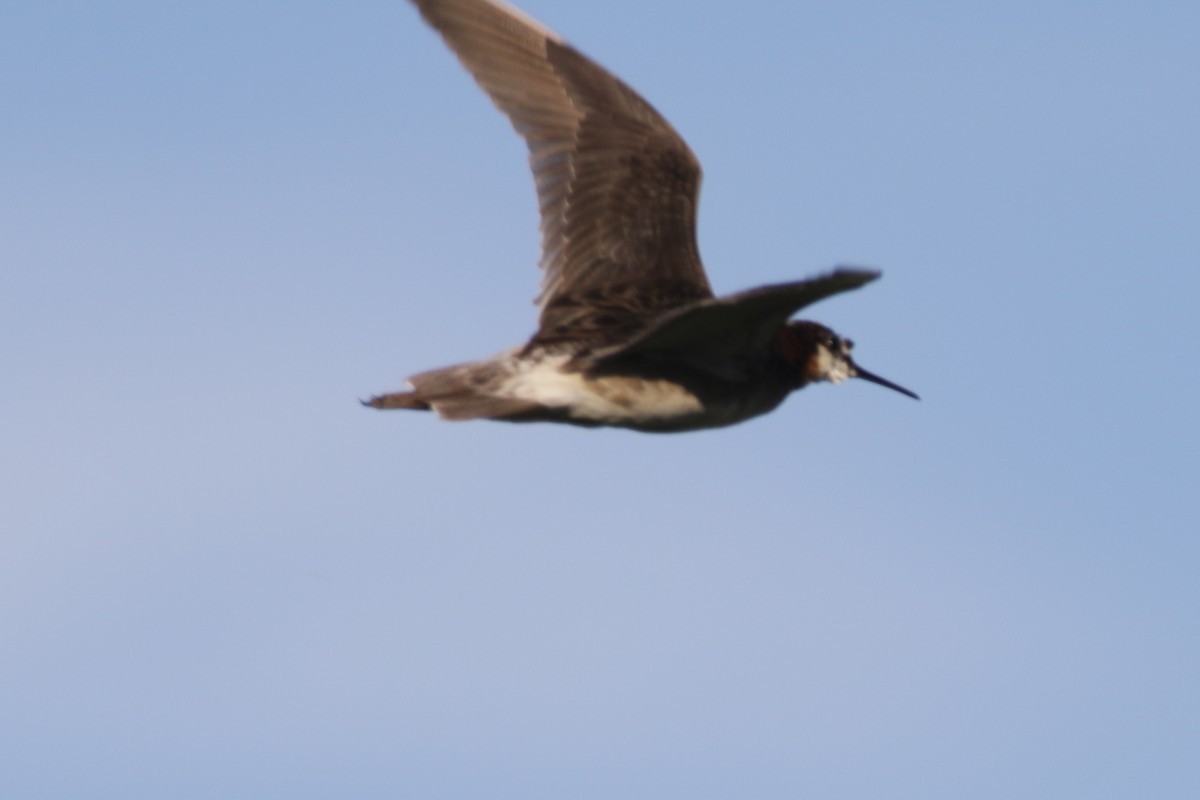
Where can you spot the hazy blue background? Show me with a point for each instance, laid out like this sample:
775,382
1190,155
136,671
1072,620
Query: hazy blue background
223,223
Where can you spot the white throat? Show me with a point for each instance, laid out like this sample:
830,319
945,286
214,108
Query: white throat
831,366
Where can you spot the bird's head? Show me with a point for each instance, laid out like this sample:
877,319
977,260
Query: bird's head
816,353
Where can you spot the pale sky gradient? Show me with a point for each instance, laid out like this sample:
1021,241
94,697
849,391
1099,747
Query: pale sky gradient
223,223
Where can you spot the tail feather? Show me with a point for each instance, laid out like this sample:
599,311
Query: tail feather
465,391
397,400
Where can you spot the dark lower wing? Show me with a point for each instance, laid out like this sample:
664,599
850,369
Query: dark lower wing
743,322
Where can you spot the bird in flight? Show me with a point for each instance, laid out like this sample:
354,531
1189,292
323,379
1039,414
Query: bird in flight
630,334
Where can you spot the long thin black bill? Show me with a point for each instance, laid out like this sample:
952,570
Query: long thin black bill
859,372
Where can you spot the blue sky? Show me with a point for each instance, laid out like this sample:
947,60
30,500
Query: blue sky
223,224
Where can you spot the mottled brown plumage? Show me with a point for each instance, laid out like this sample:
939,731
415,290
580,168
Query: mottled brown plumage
629,333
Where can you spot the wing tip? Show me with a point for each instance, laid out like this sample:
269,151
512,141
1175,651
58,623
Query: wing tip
859,275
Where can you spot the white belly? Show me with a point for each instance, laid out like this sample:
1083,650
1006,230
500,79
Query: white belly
625,401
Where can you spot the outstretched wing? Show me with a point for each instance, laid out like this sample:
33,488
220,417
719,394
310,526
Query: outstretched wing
617,186
746,322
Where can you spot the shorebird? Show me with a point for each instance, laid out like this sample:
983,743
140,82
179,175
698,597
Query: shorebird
630,334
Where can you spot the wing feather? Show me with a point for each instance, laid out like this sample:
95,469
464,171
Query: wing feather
746,322
617,186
